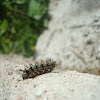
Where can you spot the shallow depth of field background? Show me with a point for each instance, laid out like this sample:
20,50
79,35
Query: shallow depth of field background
21,22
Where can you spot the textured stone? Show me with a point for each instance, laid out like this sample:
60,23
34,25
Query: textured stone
73,35
70,85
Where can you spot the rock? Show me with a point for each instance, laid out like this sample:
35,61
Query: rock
8,73
67,85
73,35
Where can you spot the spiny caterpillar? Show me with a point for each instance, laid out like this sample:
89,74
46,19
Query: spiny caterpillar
38,69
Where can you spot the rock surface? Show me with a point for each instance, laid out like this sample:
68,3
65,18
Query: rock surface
73,36
68,85
9,66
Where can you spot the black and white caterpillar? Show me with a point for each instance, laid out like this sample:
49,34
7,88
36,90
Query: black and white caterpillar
38,69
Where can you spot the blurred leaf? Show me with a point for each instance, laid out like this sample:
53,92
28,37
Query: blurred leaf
8,4
36,9
4,47
45,23
3,27
20,1
4,24
33,6
13,29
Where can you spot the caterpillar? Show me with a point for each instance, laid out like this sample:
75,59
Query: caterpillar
38,69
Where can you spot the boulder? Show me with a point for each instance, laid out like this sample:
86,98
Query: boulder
73,34
67,85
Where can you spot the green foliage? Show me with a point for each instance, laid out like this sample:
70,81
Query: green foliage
21,22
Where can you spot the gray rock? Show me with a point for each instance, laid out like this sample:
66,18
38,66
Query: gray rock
9,74
70,85
73,35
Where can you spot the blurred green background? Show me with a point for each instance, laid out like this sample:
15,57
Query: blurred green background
21,23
